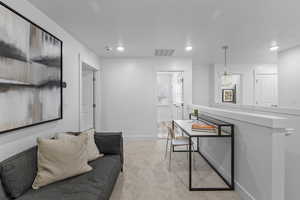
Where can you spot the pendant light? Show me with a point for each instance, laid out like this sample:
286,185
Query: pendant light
226,79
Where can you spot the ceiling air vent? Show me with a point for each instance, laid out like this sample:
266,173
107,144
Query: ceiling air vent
164,52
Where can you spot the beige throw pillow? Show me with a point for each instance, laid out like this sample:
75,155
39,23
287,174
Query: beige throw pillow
60,159
92,149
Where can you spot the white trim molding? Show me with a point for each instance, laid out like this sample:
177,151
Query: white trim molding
266,120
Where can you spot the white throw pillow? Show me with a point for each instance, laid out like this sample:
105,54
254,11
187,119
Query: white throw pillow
60,159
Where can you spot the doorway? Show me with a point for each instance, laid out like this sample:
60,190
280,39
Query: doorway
170,99
87,111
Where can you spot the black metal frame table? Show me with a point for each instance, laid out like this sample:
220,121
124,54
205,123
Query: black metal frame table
222,132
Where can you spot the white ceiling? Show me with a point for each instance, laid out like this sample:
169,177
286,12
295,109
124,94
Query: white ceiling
247,26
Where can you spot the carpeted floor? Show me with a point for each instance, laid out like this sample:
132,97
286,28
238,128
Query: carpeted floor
147,177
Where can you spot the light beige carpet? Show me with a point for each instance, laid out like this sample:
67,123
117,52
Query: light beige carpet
147,177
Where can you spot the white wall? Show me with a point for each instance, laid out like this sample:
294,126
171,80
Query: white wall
129,93
292,156
288,79
246,71
201,84
14,142
206,79
289,96
253,159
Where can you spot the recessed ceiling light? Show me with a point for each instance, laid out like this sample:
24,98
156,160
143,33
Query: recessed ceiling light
189,48
274,46
120,48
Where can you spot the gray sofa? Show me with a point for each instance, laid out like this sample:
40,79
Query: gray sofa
18,172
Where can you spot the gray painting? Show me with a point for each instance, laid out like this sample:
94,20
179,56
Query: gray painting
30,73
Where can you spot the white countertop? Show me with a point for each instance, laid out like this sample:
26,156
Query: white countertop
267,120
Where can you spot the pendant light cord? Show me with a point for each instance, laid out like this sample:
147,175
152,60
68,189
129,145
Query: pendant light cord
225,58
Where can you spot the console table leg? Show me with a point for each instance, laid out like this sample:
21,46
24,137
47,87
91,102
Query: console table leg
190,163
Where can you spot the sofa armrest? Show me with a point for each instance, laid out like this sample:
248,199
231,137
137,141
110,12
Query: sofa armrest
110,143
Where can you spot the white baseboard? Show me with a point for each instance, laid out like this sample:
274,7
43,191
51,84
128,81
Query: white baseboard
244,194
140,137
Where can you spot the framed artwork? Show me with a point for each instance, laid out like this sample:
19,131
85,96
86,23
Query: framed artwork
228,96
30,73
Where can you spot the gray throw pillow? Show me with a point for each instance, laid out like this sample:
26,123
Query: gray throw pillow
18,172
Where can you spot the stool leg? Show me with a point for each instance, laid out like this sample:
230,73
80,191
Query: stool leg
167,147
187,150
170,158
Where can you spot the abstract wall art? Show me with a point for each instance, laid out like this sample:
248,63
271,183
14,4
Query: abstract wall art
30,73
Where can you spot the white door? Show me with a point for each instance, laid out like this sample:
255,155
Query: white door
266,92
87,102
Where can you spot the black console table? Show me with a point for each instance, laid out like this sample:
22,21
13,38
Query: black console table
224,130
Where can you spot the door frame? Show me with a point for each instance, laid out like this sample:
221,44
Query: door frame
156,90
172,71
83,64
